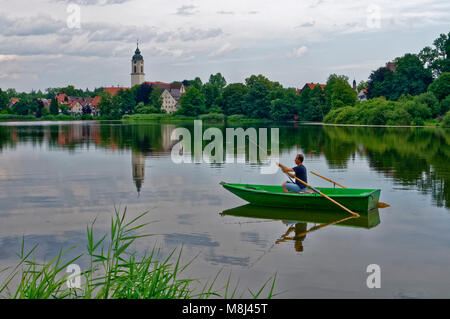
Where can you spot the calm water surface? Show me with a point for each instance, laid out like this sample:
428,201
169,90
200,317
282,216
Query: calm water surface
55,178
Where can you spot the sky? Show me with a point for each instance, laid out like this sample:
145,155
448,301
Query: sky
89,43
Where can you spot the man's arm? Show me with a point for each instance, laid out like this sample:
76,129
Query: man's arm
285,169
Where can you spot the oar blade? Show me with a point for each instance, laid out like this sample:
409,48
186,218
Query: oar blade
383,205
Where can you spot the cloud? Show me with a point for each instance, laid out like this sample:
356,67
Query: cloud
225,12
44,35
297,53
186,10
307,24
41,24
316,3
195,34
224,49
93,2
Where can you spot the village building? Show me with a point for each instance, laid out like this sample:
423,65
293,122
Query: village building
13,101
311,86
362,95
75,108
170,95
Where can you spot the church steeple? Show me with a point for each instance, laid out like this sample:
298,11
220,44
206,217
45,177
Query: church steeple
137,67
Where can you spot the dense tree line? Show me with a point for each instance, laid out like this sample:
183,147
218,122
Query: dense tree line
413,89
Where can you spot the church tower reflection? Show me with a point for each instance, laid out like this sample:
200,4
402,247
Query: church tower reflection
138,167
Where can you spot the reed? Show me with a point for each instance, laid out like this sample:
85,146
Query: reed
114,272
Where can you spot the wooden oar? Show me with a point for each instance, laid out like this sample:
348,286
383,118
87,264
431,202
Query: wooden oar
380,204
330,199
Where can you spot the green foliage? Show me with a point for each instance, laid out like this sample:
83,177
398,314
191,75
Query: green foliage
192,103
380,82
233,98
26,107
7,117
212,117
218,80
436,59
256,102
284,107
338,92
441,86
312,105
446,120
212,93
410,78
143,92
445,105
4,101
362,85
54,108
379,111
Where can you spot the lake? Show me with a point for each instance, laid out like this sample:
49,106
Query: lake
57,177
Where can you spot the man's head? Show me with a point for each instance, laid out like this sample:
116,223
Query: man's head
299,159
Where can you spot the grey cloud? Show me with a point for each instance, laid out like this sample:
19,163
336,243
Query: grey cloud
307,24
225,12
24,26
253,12
186,10
43,35
93,2
195,34
316,3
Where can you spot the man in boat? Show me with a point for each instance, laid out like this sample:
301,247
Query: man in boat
300,173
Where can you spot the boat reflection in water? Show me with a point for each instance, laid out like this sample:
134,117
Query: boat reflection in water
297,220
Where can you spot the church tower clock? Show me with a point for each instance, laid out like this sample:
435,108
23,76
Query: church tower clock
137,68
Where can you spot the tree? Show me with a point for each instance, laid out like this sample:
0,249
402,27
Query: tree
192,102
54,108
410,77
253,79
155,99
338,92
4,101
86,109
362,85
105,105
285,107
218,80
233,98
441,86
25,106
124,101
197,83
379,83
143,92
212,94
437,59
256,102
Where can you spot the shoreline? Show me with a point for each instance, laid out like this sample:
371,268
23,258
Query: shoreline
211,120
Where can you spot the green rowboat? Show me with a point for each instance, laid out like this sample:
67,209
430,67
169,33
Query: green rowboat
355,199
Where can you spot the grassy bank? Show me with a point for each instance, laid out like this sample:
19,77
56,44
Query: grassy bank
114,272
209,117
60,117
